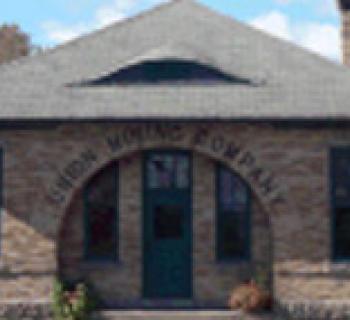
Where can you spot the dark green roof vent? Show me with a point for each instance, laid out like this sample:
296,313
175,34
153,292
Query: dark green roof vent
167,72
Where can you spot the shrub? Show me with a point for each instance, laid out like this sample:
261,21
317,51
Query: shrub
75,304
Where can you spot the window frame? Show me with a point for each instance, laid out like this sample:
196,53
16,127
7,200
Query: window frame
220,256
88,257
334,152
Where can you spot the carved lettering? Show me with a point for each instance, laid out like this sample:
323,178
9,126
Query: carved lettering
63,183
114,143
232,151
255,174
56,197
200,137
73,171
218,144
278,198
267,185
247,160
176,133
89,156
131,135
137,135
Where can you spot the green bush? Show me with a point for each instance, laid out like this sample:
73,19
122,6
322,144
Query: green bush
76,304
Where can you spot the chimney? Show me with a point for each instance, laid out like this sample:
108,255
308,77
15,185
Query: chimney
344,6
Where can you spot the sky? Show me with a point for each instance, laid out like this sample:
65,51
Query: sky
313,24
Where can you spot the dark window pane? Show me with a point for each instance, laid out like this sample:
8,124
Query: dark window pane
168,222
101,210
341,176
341,202
342,232
233,235
233,216
102,232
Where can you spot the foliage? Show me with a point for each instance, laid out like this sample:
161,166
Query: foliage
250,298
76,304
261,278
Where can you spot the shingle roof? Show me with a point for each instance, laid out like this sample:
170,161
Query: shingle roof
292,83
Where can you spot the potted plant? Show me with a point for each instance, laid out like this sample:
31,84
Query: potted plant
75,304
253,295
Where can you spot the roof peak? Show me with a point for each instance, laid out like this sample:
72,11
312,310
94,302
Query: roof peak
160,6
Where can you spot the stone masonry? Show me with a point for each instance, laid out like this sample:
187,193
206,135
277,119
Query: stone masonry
212,281
41,234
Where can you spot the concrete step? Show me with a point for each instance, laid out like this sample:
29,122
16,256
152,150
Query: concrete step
175,315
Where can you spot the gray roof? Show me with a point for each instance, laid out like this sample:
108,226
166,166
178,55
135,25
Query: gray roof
291,83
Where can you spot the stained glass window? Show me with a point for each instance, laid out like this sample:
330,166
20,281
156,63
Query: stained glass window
233,200
168,171
101,208
340,167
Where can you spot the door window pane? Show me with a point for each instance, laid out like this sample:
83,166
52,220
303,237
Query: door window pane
168,171
101,214
168,222
182,172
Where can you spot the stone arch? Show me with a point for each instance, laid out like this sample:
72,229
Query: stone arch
270,208
266,208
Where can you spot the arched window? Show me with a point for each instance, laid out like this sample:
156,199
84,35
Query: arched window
340,192
101,215
233,216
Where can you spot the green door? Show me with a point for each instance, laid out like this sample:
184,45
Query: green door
167,225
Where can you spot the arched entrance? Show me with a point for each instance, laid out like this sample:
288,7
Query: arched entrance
168,234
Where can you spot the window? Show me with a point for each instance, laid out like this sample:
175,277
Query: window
101,215
233,211
340,192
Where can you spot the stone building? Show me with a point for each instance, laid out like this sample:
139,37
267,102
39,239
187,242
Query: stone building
168,158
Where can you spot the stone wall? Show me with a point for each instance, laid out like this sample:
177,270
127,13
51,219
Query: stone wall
121,284
294,162
117,283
